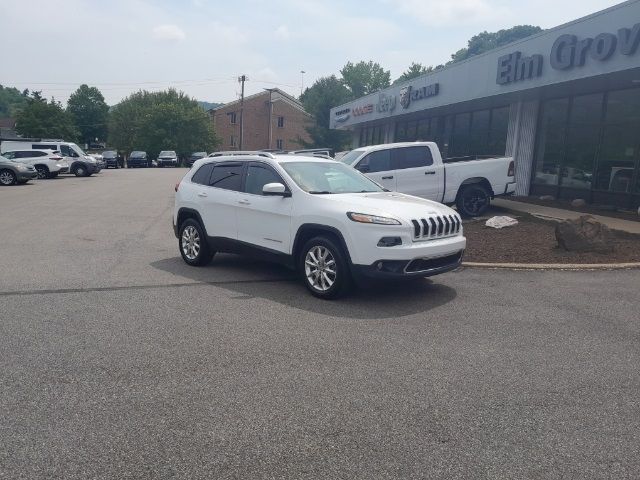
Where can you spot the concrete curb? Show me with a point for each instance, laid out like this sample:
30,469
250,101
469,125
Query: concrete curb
553,266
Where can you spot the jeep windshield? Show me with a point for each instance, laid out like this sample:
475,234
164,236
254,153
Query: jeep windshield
324,178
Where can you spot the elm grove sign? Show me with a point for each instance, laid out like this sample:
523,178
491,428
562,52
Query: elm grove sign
567,53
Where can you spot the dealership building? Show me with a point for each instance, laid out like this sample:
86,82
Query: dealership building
565,103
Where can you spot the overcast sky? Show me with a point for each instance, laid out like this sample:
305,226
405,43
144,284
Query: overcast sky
201,46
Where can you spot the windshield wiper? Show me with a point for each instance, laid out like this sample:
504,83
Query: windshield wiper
323,192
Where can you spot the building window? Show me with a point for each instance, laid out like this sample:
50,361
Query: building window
280,144
232,141
590,142
232,118
482,132
280,122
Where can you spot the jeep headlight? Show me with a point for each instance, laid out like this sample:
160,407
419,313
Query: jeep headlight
365,218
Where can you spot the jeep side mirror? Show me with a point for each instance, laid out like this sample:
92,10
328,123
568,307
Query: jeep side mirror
275,190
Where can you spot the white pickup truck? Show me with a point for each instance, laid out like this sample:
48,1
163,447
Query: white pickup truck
417,168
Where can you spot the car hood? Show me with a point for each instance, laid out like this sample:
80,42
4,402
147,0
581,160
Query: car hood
390,204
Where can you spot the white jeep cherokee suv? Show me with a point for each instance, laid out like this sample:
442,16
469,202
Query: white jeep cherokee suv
321,217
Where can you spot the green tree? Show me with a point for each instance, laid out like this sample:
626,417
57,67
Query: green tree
485,41
12,101
42,119
155,121
363,78
324,94
89,111
414,70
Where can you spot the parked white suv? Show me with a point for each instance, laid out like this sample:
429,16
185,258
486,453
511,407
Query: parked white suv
48,164
321,217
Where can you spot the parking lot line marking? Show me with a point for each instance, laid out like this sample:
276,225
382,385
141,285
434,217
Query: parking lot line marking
138,287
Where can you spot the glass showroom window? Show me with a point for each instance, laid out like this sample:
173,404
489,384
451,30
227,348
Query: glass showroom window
551,135
619,154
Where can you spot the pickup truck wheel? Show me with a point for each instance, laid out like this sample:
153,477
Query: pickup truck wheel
193,244
324,269
473,201
43,172
7,177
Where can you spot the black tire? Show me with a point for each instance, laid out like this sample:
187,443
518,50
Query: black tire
473,200
7,177
317,278
80,171
43,172
191,234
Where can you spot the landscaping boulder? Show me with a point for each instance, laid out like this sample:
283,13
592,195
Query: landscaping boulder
584,234
578,202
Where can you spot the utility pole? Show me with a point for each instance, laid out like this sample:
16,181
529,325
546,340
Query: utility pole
302,72
241,79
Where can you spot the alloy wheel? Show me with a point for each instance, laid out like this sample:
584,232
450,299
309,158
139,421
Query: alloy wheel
190,242
320,268
6,178
42,173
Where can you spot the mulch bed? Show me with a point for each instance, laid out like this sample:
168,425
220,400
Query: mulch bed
533,241
591,209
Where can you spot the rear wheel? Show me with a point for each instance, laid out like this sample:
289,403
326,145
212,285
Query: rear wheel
193,244
473,200
324,268
7,177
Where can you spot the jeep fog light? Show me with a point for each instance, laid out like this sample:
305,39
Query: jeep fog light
389,241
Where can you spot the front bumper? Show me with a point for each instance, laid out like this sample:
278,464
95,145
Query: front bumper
28,175
163,162
418,267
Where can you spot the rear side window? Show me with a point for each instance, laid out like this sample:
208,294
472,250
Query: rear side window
203,174
39,154
258,176
379,161
412,157
228,177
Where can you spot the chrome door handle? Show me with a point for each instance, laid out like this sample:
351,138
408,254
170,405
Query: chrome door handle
244,202
388,178
430,173
202,194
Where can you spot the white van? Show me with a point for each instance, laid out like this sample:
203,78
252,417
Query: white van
80,164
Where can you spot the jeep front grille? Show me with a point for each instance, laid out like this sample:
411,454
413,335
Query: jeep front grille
437,226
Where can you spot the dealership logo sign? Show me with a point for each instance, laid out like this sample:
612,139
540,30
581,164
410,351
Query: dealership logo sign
386,103
567,53
343,115
409,94
363,110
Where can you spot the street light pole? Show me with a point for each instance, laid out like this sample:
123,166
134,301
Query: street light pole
302,72
241,79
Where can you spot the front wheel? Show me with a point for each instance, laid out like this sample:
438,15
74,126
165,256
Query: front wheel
473,201
80,171
193,244
43,172
324,268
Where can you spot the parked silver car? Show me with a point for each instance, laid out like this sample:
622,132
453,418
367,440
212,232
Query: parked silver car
13,171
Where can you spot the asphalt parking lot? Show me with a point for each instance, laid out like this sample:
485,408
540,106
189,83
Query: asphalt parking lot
119,361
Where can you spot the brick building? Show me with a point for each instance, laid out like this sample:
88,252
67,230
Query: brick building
273,119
